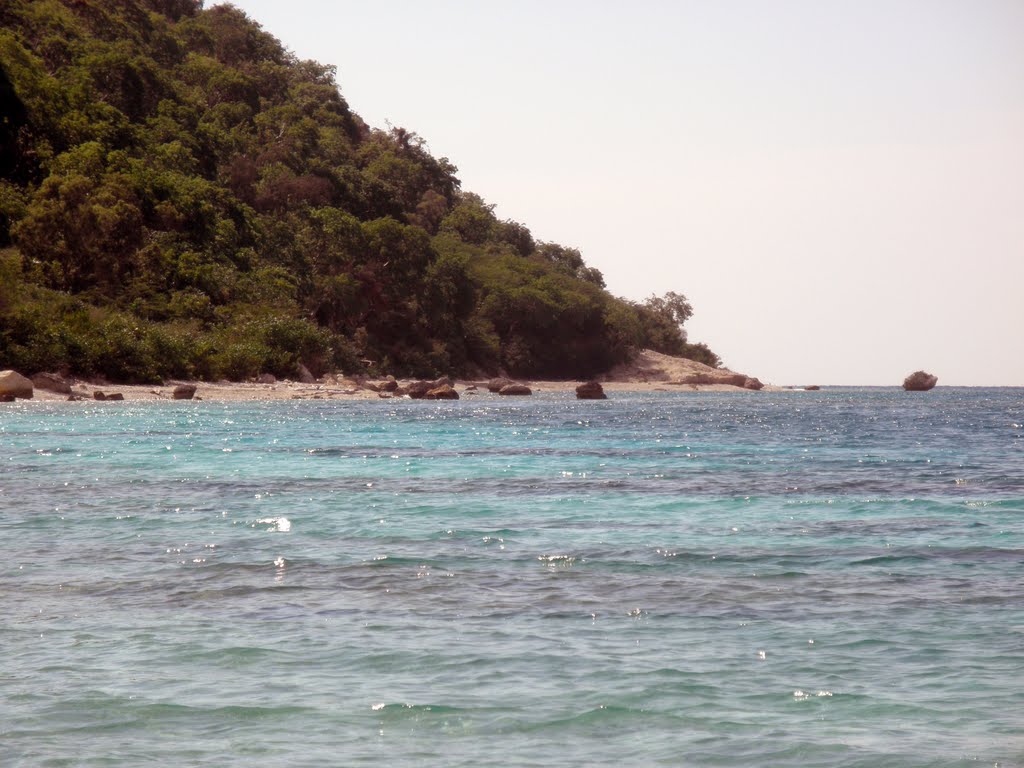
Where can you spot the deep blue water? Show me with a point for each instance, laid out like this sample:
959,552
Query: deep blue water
814,579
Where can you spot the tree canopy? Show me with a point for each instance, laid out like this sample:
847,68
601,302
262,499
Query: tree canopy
180,196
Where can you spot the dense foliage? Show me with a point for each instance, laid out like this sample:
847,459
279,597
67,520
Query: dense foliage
182,197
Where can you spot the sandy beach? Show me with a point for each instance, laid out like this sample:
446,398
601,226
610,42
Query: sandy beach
647,372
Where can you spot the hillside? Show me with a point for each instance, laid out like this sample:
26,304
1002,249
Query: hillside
182,197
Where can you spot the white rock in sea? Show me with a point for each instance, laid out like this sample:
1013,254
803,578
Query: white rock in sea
14,384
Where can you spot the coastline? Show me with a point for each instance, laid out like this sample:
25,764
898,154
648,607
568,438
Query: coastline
648,371
344,389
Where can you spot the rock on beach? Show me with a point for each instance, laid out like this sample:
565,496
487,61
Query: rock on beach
496,384
13,384
51,382
184,392
515,390
444,392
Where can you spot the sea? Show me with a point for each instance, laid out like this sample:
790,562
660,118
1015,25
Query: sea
830,579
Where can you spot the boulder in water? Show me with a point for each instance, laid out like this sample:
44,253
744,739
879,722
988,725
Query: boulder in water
591,390
920,381
184,392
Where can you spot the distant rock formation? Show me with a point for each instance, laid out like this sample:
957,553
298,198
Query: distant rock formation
13,384
920,381
650,366
184,392
723,377
496,384
592,390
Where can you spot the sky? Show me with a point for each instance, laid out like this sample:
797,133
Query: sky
836,185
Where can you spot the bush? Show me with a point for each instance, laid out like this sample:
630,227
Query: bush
239,360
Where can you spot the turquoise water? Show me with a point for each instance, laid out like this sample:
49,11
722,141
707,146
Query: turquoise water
814,579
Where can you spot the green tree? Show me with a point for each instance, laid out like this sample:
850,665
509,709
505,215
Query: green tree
186,197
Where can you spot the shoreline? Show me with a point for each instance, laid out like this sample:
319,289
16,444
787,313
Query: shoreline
647,371
340,389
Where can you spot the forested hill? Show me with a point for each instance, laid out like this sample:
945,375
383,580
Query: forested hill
181,197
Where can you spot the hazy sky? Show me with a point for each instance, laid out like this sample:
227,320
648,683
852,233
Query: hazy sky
837,186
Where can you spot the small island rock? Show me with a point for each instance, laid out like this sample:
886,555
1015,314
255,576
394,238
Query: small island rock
591,390
920,381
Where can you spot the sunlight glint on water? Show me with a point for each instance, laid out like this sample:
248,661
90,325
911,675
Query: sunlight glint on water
822,579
